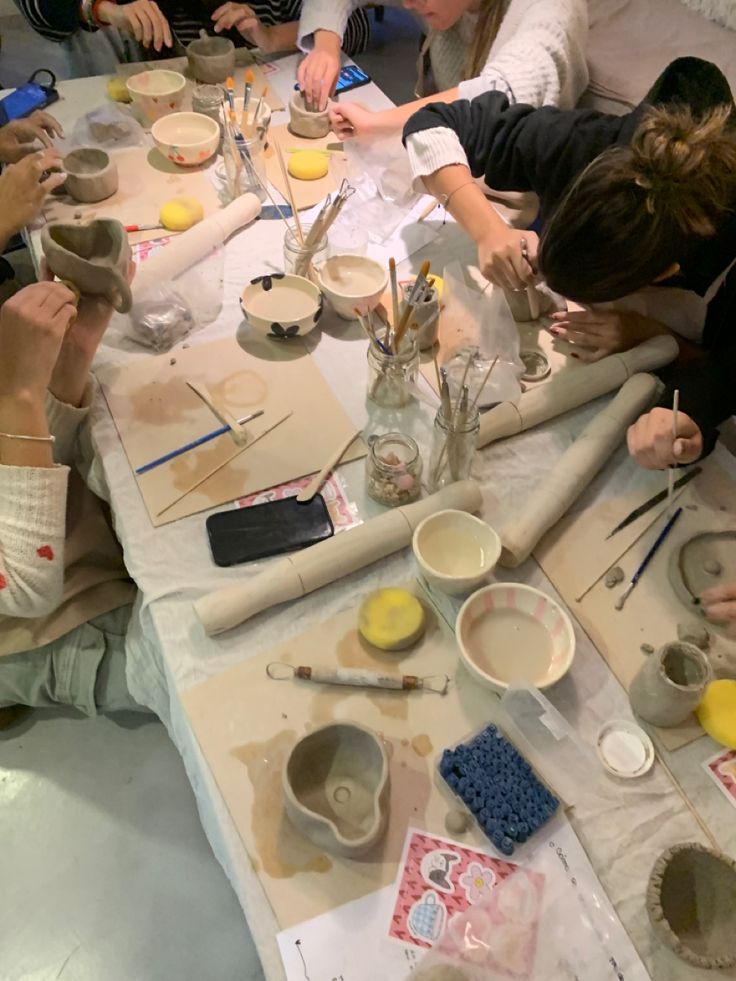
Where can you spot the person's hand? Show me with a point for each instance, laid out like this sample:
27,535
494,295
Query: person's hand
350,119
596,333
141,18
245,20
651,444
32,328
23,189
719,603
317,74
20,137
501,259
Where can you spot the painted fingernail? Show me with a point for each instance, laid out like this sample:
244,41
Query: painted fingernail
555,331
573,355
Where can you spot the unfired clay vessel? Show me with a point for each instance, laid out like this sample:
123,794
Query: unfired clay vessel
670,684
691,902
91,175
426,316
311,125
92,257
690,569
336,788
211,59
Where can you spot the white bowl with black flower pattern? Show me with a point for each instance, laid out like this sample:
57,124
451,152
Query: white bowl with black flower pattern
281,305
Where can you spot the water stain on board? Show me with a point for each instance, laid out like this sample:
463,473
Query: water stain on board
281,851
422,745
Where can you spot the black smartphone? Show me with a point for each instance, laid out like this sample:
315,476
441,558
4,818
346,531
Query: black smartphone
351,77
27,98
271,528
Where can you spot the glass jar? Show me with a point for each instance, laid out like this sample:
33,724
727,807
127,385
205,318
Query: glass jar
253,178
391,377
301,261
207,100
393,470
453,446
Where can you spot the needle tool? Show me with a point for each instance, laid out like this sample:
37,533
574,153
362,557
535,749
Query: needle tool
653,502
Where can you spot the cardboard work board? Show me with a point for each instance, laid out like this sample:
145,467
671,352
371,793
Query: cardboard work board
246,724
146,181
155,411
306,193
575,556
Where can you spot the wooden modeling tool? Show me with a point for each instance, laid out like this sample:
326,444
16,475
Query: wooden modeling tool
290,192
671,471
653,502
647,559
531,293
438,684
223,414
195,443
308,492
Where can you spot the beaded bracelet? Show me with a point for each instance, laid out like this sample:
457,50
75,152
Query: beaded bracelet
30,439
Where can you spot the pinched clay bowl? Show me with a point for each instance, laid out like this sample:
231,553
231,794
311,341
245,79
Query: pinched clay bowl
186,138
691,902
281,305
337,788
352,282
302,122
211,59
157,93
91,175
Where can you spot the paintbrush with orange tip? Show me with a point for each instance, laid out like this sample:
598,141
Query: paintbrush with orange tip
246,99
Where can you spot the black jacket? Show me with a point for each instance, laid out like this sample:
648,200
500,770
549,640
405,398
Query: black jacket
519,148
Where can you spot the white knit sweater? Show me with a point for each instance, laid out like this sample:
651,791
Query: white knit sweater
538,56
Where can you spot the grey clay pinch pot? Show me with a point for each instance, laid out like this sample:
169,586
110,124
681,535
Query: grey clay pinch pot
91,175
302,122
670,684
691,902
211,59
93,258
336,788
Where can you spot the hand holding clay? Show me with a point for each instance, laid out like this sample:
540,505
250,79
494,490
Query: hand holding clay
23,189
318,72
651,445
32,328
244,19
20,137
719,604
141,18
501,261
596,333
350,119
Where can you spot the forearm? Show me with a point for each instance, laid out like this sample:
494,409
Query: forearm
465,201
281,37
23,414
392,120
323,16
71,375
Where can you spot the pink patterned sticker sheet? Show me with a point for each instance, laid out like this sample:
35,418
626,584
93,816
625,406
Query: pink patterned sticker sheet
722,769
468,905
343,513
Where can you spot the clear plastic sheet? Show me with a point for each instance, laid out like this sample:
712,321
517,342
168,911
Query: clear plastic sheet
110,127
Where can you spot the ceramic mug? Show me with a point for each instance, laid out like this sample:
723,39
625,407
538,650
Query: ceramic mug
91,175
93,257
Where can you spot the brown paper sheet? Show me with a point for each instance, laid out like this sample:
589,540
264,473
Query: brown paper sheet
155,411
306,193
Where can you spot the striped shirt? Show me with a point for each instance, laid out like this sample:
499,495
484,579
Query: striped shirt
55,20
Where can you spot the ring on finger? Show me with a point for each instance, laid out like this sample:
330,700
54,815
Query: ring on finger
524,250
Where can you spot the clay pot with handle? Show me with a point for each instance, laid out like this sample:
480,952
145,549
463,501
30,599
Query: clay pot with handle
93,258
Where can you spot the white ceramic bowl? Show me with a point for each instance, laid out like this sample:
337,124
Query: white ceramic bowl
186,138
157,92
508,632
455,551
350,281
281,306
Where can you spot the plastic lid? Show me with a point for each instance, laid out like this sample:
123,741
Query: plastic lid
624,749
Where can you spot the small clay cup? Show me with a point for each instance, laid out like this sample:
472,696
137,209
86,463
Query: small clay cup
311,125
93,258
670,684
211,59
426,316
91,175
691,902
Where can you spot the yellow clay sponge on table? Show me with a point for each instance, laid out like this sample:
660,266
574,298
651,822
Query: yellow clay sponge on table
391,619
717,712
308,165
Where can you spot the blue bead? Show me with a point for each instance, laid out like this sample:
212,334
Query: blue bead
452,781
497,838
512,830
462,785
476,805
484,816
506,846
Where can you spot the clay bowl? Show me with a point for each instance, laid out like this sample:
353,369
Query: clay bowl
186,138
90,174
157,93
281,305
311,125
508,632
336,788
455,551
93,257
211,59
691,902
350,281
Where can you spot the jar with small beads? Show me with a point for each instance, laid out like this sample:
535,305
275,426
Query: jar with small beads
394,470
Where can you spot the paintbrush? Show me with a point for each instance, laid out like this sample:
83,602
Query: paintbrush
230,92
647,559
369,332
290,192
671,471
419,283
244,120
394,292
194,444
257,114
428,211
653,502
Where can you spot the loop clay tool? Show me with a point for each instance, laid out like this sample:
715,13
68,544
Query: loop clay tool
354,678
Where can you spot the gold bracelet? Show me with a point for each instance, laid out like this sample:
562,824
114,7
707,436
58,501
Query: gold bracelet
30,439
444,199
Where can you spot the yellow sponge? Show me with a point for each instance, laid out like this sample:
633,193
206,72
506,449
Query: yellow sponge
391,619
181,213
717,712
308,165
118,90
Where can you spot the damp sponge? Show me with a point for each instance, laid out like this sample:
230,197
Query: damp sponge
181,213
118,90
391,619
308,165
717,712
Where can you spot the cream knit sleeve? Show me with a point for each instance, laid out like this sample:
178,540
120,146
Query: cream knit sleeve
538,57
329,15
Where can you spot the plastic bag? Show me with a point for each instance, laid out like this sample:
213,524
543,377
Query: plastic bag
110,126
381,175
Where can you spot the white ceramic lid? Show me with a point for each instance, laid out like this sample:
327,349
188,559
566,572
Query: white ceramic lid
624,749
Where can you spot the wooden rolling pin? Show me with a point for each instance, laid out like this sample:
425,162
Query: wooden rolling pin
569,390
575,469
194,244
301,573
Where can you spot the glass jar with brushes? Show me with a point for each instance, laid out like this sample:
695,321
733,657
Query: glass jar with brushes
456,428
302,258
393,375
393,469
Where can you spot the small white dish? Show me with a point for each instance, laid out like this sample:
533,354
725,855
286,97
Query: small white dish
509,633
157,93
455,551
186,138
624,749
352,282
281,306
